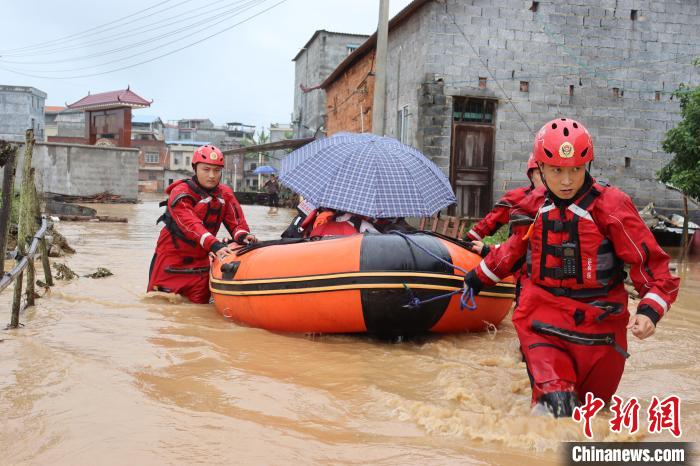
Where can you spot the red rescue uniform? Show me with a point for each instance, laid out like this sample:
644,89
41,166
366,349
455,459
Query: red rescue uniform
192,220
499,215
572,314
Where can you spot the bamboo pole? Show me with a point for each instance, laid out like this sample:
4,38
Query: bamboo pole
44,250
32,207
9,153
16,300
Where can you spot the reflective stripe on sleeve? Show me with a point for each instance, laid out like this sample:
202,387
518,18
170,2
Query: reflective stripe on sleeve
657,299
488,272
204,237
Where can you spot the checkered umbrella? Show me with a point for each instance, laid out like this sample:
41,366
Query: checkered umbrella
367,175
264,170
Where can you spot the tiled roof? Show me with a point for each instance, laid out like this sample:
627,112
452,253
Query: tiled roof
122,98
53,108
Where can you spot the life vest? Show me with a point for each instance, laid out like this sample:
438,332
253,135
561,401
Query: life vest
209,206
568,255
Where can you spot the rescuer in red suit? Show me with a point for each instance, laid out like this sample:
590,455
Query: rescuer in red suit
576,235
195,210
500,214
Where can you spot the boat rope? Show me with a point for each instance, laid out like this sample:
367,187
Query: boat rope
466,300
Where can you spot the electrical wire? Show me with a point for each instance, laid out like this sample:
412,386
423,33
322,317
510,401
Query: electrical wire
143,29
18,72
93,30
230,14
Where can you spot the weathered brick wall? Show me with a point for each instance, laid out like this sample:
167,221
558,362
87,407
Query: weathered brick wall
349,99
592,45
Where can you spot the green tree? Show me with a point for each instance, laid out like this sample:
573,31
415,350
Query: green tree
683,141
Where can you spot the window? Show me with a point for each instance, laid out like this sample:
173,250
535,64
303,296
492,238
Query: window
176,160
473,110
152,157
482,82
628,162
524,86
633,15
253,166
152,176
616,91
534,6
402,125
351,48
187,160
657,95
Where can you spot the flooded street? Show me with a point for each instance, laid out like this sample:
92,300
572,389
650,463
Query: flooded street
102,374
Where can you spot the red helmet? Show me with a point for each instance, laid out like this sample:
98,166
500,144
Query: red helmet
563,143
208,154
531,164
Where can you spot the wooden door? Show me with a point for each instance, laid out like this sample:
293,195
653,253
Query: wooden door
472,168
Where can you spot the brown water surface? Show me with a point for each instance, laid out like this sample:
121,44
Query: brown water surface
102,374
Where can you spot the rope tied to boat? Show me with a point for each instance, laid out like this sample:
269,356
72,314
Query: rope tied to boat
466,300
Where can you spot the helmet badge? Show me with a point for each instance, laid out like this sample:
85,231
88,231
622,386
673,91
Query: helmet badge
213,156
566,150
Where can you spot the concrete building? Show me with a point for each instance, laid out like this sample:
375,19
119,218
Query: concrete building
312,65
181,154
51,112
21,108
70,126
469,82
200,129
147,127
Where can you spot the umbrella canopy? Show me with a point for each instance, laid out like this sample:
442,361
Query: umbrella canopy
367,175
264,170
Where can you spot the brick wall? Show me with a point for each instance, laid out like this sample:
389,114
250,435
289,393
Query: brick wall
349,99
584,59
596,61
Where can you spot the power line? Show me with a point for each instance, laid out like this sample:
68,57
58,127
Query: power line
229,14
89,32
150,59
143,29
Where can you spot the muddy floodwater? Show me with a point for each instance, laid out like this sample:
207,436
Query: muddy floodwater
102,374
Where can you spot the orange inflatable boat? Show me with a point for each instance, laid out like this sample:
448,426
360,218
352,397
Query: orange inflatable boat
362,283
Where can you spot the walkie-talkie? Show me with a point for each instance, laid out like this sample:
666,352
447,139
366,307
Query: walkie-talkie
568,260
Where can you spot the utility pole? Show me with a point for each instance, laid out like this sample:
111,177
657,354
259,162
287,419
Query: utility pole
379,105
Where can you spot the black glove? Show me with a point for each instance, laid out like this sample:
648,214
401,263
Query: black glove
216,246
648,311
484,249
473,282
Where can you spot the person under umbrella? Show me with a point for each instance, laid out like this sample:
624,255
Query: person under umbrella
358,178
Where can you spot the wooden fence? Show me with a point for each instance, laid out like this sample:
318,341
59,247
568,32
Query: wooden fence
31,236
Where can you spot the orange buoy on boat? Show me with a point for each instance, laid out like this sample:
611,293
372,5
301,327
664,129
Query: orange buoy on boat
383,285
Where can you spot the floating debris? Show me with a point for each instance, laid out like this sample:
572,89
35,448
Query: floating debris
59,244
63,272
100,273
